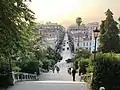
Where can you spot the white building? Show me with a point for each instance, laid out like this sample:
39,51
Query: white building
50,33
84,35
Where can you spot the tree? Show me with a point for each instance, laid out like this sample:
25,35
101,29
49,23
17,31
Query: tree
80,56
102,29
109,39
119,19
106,72
83,65
119,24
83,54
52,54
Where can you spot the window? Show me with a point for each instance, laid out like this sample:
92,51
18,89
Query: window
90,43
83,44
90,48
87,44
90,37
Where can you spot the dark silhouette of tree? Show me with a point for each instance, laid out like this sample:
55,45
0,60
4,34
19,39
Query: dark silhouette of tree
109,39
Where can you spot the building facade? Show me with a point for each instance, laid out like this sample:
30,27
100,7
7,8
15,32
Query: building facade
50,33
83,36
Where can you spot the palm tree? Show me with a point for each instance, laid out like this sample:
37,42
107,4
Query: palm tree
79,21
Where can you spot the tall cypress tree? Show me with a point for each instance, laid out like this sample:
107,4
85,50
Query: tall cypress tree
119,24
109,39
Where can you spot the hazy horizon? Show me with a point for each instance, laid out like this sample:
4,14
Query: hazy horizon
65,12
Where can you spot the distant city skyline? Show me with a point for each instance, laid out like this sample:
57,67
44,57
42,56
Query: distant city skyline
65,12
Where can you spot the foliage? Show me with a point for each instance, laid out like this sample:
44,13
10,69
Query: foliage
16,23
30,67
76,63
119,24
52,54
19,48
119,19
59,41
83,64
46,64
4,67
71,44
81,56
82,53
106,72
109,39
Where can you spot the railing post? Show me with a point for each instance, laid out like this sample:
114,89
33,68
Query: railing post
17,76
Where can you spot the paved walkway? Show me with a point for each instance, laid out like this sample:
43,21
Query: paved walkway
30,85
61,76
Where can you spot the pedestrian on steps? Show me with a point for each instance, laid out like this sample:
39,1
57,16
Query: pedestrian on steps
57,69
69,70
73,73
53,69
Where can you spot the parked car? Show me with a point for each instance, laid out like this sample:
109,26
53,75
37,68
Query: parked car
69,60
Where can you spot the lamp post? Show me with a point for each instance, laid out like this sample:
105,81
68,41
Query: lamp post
96,34
78,21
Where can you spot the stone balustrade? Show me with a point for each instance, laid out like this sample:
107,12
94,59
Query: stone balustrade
20,76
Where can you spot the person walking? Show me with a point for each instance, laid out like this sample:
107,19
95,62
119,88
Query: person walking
69,70
73,73
57,69
53,69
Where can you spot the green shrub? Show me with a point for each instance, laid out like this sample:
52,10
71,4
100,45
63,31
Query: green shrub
83,64
76,64
106,72
4,71
30,67
46,64
83,54
82,57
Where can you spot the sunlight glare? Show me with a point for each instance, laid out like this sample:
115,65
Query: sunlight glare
53,9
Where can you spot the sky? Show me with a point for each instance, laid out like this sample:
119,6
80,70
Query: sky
65,12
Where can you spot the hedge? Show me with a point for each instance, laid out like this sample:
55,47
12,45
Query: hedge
106,72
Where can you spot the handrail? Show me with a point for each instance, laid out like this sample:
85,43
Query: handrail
20,76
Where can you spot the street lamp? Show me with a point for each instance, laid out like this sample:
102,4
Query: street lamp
96,34
78,21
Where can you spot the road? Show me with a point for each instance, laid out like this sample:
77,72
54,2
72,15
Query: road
54,81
